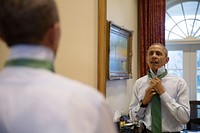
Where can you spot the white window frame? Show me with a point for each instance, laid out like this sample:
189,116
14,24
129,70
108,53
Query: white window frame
189,61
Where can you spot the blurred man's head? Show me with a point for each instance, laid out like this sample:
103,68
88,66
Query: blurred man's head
28,21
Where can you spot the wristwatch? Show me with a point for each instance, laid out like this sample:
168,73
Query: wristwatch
142,105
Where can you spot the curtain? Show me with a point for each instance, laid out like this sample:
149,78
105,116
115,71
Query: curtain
151,28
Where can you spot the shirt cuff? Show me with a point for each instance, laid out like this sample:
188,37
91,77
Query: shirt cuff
141,112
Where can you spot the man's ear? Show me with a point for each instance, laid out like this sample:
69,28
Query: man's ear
54,34
52,37
167,60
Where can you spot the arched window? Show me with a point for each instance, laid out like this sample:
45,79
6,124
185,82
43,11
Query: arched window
183,20
182,33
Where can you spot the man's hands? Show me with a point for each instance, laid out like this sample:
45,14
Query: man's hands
155,88
148,95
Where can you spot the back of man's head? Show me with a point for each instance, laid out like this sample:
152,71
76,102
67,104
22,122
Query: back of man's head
26,21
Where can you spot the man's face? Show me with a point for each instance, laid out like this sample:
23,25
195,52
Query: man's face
156,57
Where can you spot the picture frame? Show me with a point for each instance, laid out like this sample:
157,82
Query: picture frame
119,45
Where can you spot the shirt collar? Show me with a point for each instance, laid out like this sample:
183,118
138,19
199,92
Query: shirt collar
31,51
159,71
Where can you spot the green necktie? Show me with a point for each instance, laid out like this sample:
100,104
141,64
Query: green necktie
31,63
156,122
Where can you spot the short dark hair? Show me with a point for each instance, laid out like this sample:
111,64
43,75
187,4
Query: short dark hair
159,44
26,21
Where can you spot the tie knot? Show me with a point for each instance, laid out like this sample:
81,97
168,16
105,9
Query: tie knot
158,76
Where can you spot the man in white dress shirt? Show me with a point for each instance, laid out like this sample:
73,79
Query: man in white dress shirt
172,90
34,99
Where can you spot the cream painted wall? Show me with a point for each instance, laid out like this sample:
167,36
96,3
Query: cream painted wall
124,13
3,53
77,53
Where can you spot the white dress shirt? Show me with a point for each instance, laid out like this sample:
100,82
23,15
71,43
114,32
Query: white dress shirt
36,100
175,106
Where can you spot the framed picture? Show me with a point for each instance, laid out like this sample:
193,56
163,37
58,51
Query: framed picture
119,42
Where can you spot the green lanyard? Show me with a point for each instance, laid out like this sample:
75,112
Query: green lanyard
31,63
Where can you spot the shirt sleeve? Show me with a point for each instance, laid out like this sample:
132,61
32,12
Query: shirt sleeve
179,107
136,112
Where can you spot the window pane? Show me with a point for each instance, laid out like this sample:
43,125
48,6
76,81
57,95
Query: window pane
175,60
183,27
190,25
179,31
198,36
178,73
198,111
174,36
169,23
166,34
198,84
175,64
198,79
190,9
198,59
198,94
195,31
176,13
198,14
